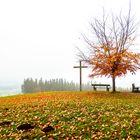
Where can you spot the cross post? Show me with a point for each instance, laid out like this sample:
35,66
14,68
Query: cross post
80,68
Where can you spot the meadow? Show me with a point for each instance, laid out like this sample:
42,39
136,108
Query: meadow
73,115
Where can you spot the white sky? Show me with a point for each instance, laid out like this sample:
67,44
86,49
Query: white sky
38,37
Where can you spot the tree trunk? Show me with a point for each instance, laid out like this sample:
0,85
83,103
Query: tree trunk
113,84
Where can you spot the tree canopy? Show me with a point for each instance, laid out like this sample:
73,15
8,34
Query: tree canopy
109,47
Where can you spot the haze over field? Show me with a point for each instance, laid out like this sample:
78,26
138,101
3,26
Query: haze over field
39,38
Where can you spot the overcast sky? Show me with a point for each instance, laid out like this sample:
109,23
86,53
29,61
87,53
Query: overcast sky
38,37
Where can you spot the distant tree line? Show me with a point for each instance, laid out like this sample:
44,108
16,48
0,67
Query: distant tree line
30,85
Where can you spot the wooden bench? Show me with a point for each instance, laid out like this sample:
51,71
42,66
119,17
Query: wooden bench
101,85
135,89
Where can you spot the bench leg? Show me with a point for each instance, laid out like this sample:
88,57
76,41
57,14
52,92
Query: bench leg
94,88
107,89
135,89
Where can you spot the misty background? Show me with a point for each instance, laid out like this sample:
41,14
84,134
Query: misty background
39,39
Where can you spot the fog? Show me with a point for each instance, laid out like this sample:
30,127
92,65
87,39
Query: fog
39,38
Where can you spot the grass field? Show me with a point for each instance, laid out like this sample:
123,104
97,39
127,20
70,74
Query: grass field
73,115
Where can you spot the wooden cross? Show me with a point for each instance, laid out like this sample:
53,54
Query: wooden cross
80,68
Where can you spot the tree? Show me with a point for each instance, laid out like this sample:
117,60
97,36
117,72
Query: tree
28,86
41,85
109,47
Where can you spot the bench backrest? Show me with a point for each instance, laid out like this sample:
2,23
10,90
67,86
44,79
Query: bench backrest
100,84
133,85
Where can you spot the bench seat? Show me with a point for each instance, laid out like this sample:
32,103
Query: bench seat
101,85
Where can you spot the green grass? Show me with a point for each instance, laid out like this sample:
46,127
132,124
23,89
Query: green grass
74,115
